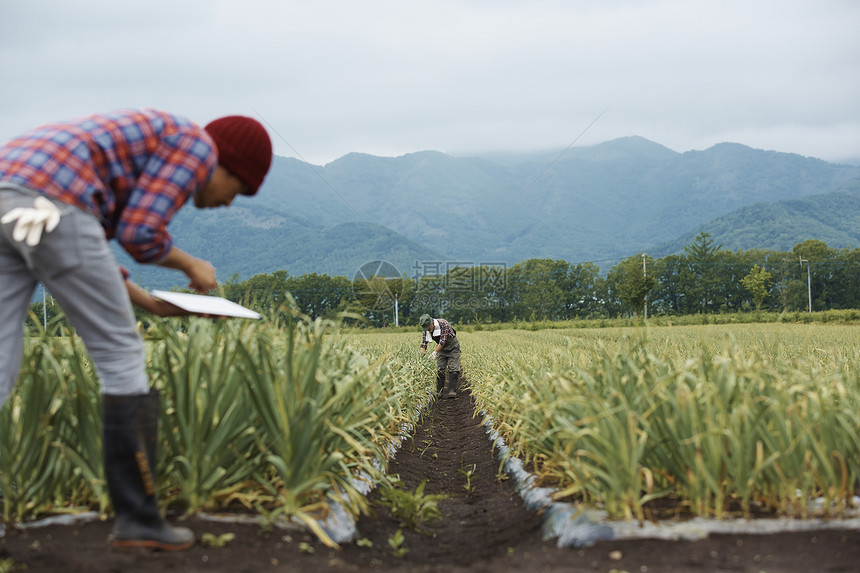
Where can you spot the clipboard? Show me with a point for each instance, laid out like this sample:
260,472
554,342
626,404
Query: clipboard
203,304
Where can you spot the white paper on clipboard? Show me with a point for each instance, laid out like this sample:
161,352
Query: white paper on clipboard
202,304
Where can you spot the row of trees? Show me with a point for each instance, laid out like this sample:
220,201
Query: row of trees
705,278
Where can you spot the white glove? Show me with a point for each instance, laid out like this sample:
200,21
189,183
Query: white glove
433,354
30,222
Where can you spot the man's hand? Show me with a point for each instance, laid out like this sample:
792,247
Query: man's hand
150,304
422,350
201,274
31,222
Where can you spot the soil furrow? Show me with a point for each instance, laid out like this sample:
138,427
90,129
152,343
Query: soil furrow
483,527
483,515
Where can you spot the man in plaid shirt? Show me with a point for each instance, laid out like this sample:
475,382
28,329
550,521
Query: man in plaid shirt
447,352
65,190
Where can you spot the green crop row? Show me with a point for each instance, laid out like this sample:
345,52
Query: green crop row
276,418
708,422
271,418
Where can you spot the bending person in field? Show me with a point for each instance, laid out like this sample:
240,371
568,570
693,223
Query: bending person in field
447,352
65,190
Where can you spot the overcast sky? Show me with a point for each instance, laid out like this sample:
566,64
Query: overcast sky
329,77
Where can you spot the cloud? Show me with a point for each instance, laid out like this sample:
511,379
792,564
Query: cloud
388,77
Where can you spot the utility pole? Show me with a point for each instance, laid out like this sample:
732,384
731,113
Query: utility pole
808,280
644,274
396,312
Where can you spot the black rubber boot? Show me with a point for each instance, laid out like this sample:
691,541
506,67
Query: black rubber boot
453,384
130,446
440,382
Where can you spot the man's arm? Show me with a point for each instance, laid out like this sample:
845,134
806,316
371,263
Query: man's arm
446,331
176,169
178,166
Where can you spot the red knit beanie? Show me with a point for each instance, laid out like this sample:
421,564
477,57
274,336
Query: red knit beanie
244,148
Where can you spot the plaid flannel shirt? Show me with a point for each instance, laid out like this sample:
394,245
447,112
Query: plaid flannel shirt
444,330
131,169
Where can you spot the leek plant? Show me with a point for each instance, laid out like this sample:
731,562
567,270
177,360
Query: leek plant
46,462
762,417
286,416
207,430
282,417
315,403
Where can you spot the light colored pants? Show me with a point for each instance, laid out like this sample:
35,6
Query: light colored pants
76,265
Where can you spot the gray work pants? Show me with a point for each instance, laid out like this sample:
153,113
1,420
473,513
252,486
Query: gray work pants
76,265
449,357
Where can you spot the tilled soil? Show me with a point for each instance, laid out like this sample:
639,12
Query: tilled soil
483,527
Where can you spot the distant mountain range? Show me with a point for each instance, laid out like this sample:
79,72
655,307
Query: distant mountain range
601,204
830,217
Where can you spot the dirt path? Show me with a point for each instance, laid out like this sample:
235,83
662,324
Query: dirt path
483,528
483,515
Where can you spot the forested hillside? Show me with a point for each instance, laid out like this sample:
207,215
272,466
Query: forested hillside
833,218
704,279
249,238
593,204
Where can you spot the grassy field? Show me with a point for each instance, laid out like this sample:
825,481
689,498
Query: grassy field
712,420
